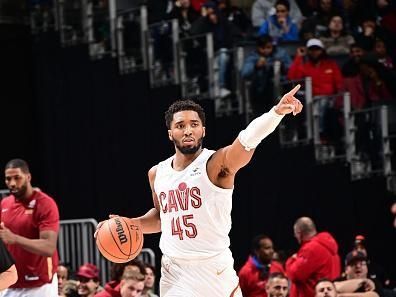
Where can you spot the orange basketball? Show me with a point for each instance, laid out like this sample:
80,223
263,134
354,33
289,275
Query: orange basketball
119,239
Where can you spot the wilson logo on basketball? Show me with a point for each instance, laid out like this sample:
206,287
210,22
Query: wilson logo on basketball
120,232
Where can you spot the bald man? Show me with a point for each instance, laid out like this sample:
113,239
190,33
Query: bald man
317,258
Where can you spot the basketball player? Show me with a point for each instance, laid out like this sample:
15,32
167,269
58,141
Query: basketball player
29,228
192,193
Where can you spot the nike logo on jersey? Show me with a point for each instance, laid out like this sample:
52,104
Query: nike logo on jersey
218,272
4,210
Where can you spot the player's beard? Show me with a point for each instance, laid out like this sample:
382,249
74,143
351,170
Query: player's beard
189,150
20,194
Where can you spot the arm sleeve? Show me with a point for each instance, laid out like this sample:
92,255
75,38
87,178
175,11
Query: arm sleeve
6,261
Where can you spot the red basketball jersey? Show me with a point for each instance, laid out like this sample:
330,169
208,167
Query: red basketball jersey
27,219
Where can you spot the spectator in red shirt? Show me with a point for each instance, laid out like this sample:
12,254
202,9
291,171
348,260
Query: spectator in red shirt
312,61
29,228
317,258
254,274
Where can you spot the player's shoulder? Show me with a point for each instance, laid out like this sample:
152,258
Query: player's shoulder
152,172
44,198
7,200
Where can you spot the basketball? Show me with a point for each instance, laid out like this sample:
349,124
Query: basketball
119,239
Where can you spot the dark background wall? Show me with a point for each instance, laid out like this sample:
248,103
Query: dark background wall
91,135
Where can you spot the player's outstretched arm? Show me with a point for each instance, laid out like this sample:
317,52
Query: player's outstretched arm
240,152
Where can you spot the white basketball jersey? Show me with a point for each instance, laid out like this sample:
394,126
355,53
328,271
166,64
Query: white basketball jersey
195,214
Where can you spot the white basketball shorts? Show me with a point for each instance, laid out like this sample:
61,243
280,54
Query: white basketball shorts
214,277
47,290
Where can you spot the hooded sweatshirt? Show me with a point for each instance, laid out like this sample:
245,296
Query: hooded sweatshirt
252,285
111,289
317,258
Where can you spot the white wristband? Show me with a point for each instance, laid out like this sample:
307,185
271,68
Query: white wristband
259,128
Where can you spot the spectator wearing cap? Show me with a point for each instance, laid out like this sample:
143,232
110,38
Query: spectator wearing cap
312,61
280,26
88,280
356,281
317,258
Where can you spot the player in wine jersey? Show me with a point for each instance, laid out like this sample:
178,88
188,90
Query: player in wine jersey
29,228
192,194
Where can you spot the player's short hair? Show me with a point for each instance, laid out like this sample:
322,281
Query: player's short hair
182,105
18,163
133,275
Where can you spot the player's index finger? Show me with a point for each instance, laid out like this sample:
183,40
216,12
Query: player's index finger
294,90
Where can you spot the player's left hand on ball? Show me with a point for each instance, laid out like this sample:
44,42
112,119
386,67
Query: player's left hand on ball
101,223
289,104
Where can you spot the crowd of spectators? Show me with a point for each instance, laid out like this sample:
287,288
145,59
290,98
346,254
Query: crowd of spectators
342,45
315,270
131,279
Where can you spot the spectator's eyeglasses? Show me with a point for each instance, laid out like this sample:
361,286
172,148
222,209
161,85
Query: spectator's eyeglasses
281,10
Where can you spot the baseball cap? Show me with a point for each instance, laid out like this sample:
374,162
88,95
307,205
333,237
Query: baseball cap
315,42
354,256
88,270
